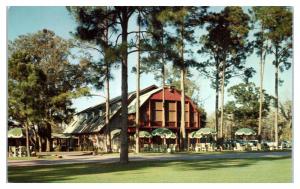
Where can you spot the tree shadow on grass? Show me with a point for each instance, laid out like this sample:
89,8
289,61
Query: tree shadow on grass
67,173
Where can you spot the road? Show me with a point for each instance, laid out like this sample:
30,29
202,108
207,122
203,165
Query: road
69,159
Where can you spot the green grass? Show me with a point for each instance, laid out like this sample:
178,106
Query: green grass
276,170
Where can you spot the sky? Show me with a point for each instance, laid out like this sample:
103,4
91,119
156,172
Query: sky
24,20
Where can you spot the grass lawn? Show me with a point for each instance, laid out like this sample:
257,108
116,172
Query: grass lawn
275,170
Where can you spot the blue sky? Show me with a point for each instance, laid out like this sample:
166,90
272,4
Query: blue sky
23,20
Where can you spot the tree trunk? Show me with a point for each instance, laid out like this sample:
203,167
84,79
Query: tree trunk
27,139
182,125
276,98
40,143
163,85
137,109
182,86
48,139
217,101
124,87
107,114
107,96
222,99
262,59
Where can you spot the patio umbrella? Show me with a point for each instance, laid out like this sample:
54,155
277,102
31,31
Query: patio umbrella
162,132
62,136
206,131
144,134
194,134
173,136
245,131
16,133
115,133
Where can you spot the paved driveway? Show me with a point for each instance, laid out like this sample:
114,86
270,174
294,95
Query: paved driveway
67,159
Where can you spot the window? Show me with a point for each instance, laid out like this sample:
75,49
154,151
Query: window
172,106
157,111
158,115
171,112
172,116
186,116
158,105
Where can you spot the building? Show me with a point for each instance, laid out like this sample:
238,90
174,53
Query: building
89,124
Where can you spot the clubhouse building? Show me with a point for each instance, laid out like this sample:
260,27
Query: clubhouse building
88,128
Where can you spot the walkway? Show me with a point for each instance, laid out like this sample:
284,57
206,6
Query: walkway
110,158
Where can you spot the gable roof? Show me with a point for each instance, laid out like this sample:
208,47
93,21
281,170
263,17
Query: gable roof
85,122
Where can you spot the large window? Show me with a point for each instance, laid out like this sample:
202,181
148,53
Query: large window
171,112
157,111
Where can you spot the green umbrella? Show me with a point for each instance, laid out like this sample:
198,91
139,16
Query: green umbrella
245,131
173,136
62,135
16,133
144,134
206,131
115,133
194,134
162,132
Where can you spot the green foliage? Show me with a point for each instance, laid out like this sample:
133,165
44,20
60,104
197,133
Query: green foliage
41,80
25,85
226,41
245,106
278,28
285,120
95,27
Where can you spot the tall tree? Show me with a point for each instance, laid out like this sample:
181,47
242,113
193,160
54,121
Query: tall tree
63,82
184,20
119,17
262,47
156,45
228,47
25,83
99,36
277,23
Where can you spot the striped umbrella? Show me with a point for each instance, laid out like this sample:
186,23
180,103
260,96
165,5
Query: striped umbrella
144,134
194,134
115,133
206,131
245,131
163,133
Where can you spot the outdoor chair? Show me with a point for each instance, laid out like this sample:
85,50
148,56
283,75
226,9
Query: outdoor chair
211,148
252,147
239,147
174,148
202,146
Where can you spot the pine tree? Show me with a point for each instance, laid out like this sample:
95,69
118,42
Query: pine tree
228,47
184,20
277,22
